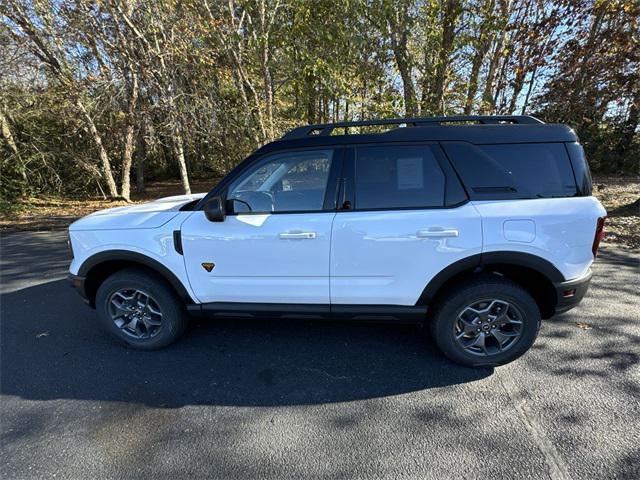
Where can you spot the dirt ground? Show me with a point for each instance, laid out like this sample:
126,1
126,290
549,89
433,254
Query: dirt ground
53,213
619,195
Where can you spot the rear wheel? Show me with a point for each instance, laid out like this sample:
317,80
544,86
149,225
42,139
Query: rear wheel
140,309
486,321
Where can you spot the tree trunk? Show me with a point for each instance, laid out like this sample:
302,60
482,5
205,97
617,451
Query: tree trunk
178,150
7,135
268,90
594,30
518,83
451,13
257,108
515,47
427,81
237,80
266,70
529,89
105,163
398,35
129,139
141,148
13,147
409,92
483,43
488,104
310,93
127,157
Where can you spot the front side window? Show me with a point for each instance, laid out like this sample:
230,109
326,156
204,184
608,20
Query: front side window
398,177
285,182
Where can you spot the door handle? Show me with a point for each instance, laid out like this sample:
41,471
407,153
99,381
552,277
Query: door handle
297,235
437,233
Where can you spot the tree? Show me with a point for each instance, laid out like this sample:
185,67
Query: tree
450,15
91,89
595,86
488,104
399,23
481,45
41,27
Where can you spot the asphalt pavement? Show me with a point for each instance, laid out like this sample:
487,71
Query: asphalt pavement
299,399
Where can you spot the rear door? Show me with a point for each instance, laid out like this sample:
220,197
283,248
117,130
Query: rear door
404,218
273,246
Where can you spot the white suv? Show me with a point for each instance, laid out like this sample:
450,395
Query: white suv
480,226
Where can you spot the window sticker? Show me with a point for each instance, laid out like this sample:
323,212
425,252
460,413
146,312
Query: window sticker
410,173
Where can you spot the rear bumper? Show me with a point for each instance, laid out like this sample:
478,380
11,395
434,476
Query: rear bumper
78,282
570,293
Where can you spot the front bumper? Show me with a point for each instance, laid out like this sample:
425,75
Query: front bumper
78,283
570,293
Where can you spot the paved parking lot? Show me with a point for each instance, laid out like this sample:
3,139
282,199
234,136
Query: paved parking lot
299,399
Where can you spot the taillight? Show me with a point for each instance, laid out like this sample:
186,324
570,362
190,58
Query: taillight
599,235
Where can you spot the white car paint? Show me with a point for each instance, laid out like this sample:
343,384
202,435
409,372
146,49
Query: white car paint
388,257
146,229
564,229
376,257
270,258
145,215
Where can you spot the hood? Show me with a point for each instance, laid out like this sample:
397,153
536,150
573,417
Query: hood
144,215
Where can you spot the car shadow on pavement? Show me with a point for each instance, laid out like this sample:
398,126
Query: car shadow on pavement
52,347
33,258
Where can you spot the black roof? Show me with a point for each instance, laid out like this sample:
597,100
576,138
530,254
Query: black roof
484,130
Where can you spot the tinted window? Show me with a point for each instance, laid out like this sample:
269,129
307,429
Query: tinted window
580,168
537,169
398,177
286,182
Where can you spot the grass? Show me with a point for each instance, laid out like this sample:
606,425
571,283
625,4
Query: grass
619,195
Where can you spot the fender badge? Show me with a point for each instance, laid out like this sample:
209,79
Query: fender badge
208,266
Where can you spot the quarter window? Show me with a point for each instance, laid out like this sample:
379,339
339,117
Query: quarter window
541,170
398,177
287,182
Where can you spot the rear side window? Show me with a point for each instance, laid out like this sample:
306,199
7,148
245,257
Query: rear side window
512,171
398,177
543,169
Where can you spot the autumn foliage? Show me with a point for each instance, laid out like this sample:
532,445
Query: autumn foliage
97,96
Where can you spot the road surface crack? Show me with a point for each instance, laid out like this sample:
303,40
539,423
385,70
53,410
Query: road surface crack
326,374
557,468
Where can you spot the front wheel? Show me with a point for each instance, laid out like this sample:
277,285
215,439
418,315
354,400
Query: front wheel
486,321
140,309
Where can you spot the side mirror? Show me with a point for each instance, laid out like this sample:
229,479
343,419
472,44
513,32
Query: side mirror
214,210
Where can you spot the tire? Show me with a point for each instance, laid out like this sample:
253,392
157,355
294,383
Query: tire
162,322
491,305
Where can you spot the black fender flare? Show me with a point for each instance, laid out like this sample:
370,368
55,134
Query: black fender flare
481,260
135,258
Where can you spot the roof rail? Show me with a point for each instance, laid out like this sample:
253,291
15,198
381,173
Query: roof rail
325,129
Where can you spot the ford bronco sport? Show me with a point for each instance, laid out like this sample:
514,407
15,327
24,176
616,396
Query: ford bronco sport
478,226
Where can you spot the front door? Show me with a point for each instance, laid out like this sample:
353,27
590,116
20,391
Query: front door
273,246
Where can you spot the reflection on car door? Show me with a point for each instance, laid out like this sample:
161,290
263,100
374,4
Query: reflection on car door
274,246
398,235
